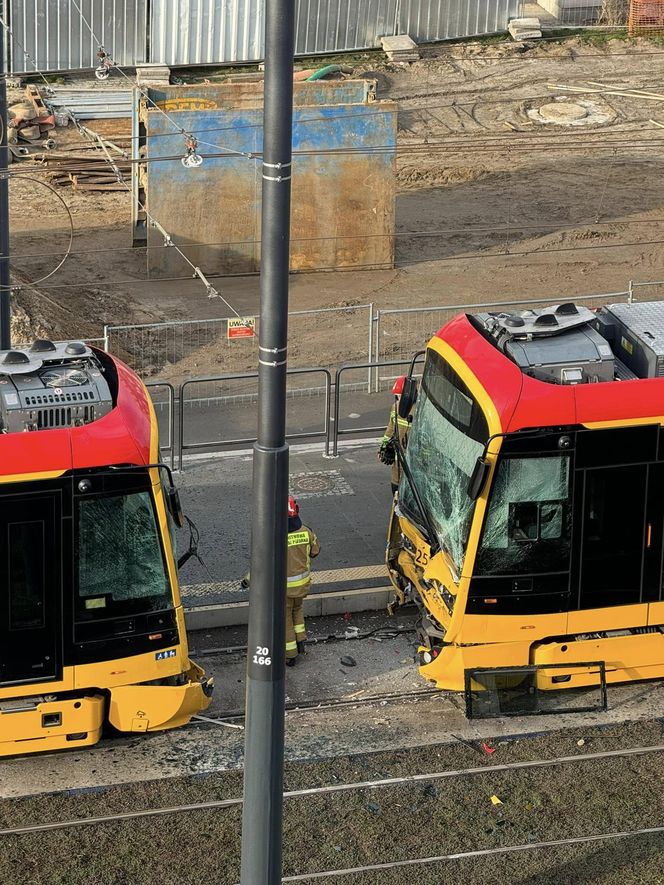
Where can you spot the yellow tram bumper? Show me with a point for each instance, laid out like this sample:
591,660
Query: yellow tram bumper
159,707
38,725
627,658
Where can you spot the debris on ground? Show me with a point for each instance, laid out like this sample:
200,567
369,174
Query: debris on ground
525,28
347,661
401,48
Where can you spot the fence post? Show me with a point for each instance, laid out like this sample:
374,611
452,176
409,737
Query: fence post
376,357
630,292
105,339
370,344
181,426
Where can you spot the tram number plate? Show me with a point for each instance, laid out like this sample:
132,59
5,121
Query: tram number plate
421,557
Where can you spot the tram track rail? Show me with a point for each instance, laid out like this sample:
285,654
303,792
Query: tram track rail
477,853
330,789
331,704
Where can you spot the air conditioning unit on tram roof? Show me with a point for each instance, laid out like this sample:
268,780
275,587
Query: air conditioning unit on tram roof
51,385
558,344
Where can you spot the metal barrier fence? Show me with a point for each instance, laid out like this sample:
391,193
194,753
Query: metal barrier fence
392,336
607,14
401,331
338,388
150,348
159,403
370,335
232,400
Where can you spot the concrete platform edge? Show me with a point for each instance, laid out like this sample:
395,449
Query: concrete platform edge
232,614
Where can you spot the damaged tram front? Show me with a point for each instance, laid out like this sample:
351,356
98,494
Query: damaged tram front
529,525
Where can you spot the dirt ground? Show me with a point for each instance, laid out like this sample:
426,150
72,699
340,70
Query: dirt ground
336,831
492,205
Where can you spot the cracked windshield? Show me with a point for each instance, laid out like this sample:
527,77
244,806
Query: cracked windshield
448,435
528,523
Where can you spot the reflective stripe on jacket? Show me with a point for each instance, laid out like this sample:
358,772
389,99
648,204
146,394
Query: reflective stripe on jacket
302,547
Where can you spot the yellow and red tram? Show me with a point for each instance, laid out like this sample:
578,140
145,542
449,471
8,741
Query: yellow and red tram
529,529
91,622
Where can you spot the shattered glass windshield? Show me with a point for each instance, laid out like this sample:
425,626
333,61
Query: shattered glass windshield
527,528
448,435
120,563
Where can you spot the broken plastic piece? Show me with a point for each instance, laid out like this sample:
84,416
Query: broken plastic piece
495,800
487,749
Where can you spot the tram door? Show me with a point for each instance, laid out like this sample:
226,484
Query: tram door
621,557
31,588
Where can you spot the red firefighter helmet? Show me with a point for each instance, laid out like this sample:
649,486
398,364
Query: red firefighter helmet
293,508
397,389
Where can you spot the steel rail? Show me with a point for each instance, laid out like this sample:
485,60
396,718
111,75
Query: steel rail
480,852
341,788
336,703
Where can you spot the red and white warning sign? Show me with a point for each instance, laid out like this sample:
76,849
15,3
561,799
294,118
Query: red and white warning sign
241,327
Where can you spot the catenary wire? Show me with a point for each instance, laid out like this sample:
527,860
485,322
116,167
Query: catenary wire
429,149
67,251
197,272
354,267
136,85
415,234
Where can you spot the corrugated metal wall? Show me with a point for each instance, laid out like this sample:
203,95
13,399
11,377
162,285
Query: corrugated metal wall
188,32
191,32
429,20
341,25
204,31
57,39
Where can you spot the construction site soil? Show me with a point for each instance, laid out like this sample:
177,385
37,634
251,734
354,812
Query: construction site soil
493,203
375,825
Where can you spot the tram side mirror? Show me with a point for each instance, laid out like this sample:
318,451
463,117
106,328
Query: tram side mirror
478,478
408,397
174,506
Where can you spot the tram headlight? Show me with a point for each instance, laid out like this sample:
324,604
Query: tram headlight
84,486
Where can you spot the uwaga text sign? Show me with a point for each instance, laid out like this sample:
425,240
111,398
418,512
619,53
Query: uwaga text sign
241,327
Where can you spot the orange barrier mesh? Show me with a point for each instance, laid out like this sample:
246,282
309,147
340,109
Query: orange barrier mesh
646,18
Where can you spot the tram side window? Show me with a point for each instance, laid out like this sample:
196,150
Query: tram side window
26,575
527,530
119,554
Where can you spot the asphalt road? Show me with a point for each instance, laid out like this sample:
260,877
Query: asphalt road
346,501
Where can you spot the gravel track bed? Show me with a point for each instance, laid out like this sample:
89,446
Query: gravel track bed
374,825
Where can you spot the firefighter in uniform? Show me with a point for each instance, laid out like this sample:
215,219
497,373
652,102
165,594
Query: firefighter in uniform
387,452
303,546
